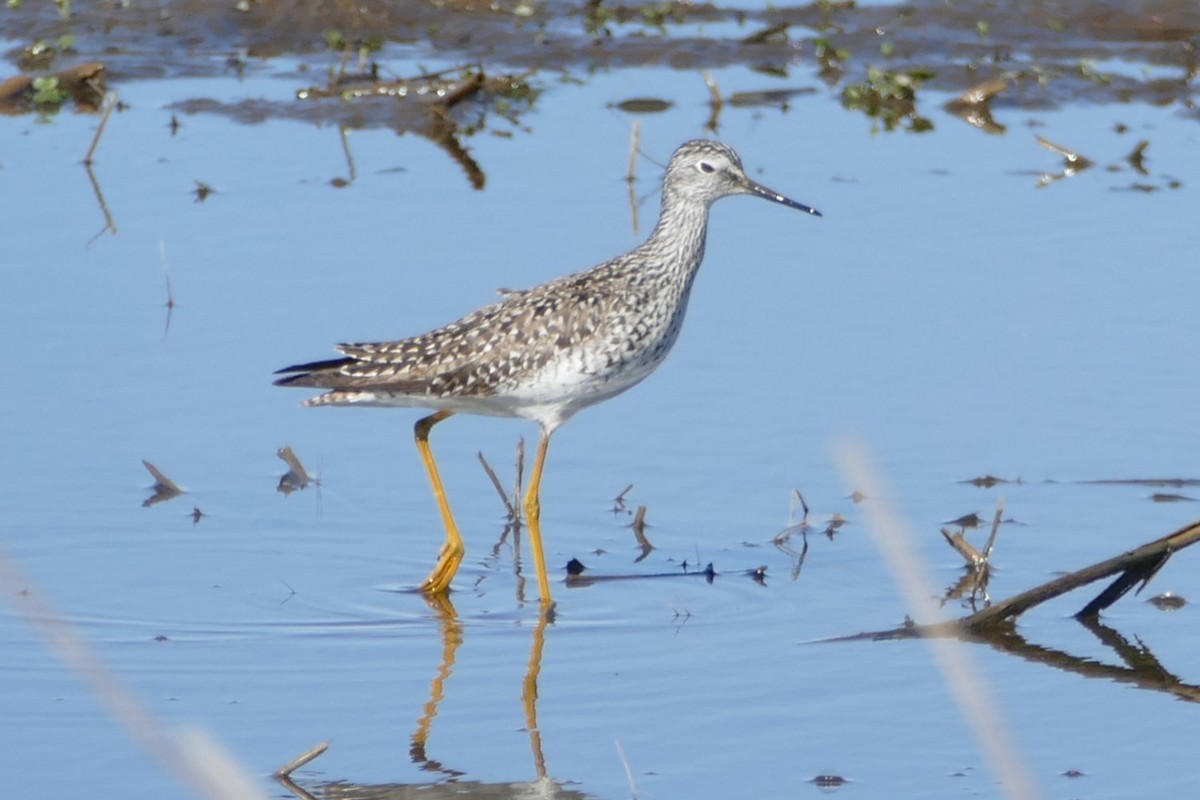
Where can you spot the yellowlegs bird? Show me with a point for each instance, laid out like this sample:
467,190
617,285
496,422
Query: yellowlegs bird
547,352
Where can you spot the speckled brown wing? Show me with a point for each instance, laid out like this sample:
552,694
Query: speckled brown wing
490,348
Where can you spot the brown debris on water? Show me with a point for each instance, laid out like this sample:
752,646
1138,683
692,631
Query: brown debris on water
619,500
1050,57
424,103
1156,483
972,586
164,488
644,105
1171,497
1133,567
828,781
110,102
110,226
576,578
768,98
957,540
83,83
1073,162
775,33
297,477
639,532
988,481
1137,157
202,191
1168,601
299,761
798,527
966,521
973,105
1170,483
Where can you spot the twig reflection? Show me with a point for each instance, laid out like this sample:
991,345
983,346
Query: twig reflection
1141,667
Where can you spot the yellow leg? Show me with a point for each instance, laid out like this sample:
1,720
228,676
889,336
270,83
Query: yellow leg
454,549
533,511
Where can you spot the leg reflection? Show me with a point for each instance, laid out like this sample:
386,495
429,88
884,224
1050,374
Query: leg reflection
529,693
452,637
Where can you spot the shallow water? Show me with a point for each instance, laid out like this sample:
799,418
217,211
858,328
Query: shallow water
946,311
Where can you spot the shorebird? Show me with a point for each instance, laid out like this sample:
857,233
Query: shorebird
545,353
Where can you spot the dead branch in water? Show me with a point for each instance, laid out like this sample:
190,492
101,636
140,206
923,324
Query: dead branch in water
301,760
1139,564
1132,567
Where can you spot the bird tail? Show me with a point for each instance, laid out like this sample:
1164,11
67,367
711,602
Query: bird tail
312,374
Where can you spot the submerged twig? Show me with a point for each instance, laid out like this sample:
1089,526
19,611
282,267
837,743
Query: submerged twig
1137,565
959,542
974,700
639,532
716,103
302,759
1137,157
170,304
635,146
164,487
991,541
491,473
782,540
1071,156
297,477
343,135
619,500
109,225
511,505
110,102
635,149
1074,162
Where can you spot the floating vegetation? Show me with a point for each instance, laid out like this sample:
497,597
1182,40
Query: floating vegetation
644,105
891,97
83,83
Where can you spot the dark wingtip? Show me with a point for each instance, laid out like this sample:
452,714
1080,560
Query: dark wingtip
298,373
290,379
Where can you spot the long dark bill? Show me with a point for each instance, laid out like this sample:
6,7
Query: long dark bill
759,190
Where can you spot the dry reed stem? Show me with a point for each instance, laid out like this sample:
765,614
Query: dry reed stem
974,700
991,541
633,792
491,473
110,102
635,146
191,755
302,759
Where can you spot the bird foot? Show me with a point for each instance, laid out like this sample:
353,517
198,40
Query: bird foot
443,572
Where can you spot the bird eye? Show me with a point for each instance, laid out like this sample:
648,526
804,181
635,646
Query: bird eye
704,166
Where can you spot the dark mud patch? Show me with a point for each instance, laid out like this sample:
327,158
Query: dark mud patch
1047,54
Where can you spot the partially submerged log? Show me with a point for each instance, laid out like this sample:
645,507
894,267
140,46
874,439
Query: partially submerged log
1135,566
